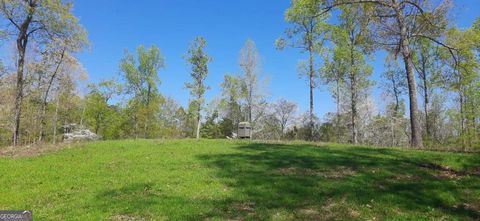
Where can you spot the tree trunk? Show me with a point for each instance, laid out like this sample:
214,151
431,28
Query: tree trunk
426,103
45,97
354,114
353,93
416,138
198,124
19,90
22,40
250,101
426,100
462,119
338,110
396,93
145,126
312,86
55,120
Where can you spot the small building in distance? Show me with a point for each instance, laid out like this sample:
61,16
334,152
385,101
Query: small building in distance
244,130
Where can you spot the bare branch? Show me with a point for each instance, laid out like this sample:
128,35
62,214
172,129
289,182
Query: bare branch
328,8
450,49
8,15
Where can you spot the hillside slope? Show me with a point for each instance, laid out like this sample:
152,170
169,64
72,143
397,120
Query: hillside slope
222,179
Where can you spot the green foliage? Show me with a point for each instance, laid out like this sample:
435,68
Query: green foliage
211,129
464,79
232,94
141,73
352,46
198,60
101,116
227,127
328,132
347,72
308,26
42,24
53,20
308,31
141,76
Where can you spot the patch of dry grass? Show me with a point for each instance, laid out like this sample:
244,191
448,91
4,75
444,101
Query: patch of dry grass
335,173
32,150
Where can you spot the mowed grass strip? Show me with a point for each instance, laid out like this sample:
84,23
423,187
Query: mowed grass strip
241,180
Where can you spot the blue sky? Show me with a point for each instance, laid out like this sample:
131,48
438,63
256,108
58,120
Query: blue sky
114,26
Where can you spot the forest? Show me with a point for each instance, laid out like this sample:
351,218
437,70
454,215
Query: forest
431,86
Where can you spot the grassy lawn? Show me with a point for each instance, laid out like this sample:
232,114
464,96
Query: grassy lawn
241,180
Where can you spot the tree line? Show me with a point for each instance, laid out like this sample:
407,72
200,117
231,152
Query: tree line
430,85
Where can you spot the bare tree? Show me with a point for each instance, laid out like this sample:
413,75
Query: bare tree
285,111
250,65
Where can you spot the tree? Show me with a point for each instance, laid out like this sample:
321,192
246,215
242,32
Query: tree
191,119
141,75
100,114
198,60
38,22
333,74
68,109
211,129
464,80
232,88
352,44
250,66
308,34
56,59
396,25
172,119
426,57
395,87
284,111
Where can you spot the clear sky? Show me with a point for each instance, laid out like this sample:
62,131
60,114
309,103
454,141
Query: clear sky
114,26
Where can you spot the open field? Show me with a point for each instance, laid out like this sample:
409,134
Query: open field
241,180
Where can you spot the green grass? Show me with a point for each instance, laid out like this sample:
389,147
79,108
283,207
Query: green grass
241,180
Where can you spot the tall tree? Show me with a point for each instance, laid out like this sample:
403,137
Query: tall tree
232,87
352,44
333,74
396,25
198,60
464,79
38,22
141,75
250,66
307,34
57,58
427,65
395,87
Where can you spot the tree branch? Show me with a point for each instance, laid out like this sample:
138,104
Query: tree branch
450,49
351,2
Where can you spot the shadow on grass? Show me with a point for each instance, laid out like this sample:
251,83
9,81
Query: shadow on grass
274,181
342,183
